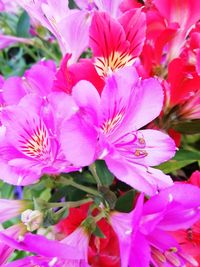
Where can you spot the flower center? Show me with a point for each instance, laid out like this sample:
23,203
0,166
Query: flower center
36,145
114,62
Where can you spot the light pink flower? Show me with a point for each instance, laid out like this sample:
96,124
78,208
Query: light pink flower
107,127
5,249
30,146
70,27
11,208
153,221
70,252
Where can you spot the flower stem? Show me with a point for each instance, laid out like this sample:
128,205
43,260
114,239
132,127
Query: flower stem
68,204
69,181
92,169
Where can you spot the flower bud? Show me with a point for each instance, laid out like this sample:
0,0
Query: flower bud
32,219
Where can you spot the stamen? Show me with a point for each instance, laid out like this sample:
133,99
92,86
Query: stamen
36,145
157,255
139,153
172,258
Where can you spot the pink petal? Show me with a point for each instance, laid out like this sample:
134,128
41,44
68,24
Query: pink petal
159,146
110,6
180,211
140,256
108,43
39,79
185,12
79,133
134,24
13,90
145,111
74,30
38,244
147,180
122,225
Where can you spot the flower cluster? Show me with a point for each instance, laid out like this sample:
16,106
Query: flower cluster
95,151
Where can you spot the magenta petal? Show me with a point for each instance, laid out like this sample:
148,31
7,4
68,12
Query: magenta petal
17,176
74,29
46,262
5,249
39,79
141,254
147,180
87,97
13,90
110,6
145,110
122,225
79,134
162,239
39,244
134,24
179,211
159,146
78,141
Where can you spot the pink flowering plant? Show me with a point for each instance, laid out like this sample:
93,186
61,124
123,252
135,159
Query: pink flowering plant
99,133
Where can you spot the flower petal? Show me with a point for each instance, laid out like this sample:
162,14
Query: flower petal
147,180
38,244
159,146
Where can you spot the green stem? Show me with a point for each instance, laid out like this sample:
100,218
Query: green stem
99,216
69,204
69,181
30,52
92,169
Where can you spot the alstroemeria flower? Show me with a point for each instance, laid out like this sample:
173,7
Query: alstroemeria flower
116,43
189,239
5,249
44,261
36,80
30,146
109,6
185,13
67,76
11,208
100,251
122,225
70,27
7,40
153,223
57,252
107,127
8,6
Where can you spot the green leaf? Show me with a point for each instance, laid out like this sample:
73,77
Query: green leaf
105,176
181,159
125,202
83,177
108,195
23,25
6,190
187,127
97,232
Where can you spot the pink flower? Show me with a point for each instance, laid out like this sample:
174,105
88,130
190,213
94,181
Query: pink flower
11,208
122,225
155,220
44,261
107,127
57,252
30,146
36,80
5,249
70,27
116,43
7,40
